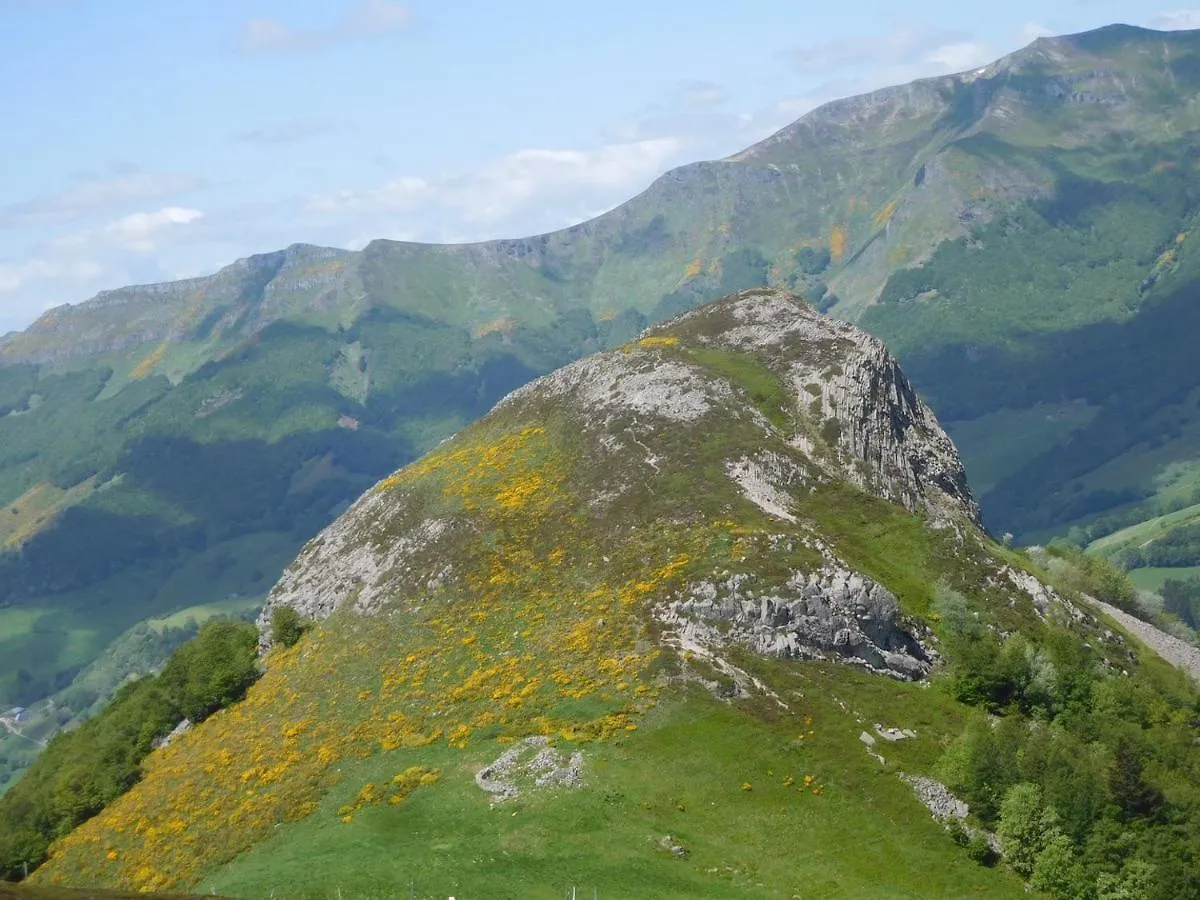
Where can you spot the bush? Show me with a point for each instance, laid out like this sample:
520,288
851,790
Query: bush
287,627
213,670
1181,598
980,849
1093,575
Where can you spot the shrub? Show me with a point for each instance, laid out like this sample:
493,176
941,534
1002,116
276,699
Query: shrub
287,627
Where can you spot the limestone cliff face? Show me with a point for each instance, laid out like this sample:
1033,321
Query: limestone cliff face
753,409
885,439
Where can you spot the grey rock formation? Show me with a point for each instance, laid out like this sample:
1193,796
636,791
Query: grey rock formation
182,728
629,382
531,759
887,440
937,798
831,613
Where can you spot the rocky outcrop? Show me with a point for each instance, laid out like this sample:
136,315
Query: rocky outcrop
345,564
832,613
623,382
887,441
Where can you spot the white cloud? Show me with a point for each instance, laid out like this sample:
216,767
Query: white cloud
140,230
366,18
94,196
1177,20
15,276
1031,31
959,56
903,44
395,195
77,264
516,184
374,17
865,62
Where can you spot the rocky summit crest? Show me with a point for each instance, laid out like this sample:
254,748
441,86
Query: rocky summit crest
756,400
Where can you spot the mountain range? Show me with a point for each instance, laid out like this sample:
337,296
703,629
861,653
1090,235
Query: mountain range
1021,236
707,614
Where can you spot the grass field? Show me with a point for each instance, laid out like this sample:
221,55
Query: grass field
733,794
1144,532
1152,579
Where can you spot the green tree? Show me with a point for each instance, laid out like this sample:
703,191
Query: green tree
213,670
1025,826
1181,598
287,627
1136,797
1057,871
1134,882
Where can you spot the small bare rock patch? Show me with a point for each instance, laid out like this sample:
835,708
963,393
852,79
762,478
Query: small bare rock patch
937,798
527,764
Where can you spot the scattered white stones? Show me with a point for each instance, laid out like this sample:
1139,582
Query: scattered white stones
937,798
531,760
1041,595
894,734
670,845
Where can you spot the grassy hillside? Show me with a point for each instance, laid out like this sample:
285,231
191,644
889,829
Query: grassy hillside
518,582
16,892
172,446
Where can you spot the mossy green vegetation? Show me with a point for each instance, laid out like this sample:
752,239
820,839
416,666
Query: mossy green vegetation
83,770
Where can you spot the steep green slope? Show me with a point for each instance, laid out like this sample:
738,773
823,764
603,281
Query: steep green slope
628,632
1021,234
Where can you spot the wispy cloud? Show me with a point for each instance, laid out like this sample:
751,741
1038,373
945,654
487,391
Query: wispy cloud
699,94
1031,31
83,261
515,184
291,132
96,196
1177,20
140,231
902,44
366,18
906,51
17,275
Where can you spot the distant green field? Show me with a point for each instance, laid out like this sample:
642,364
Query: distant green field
231,607
1152,579
1145,531
68,630
998,444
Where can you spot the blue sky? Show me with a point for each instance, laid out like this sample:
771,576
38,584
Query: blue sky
147,140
